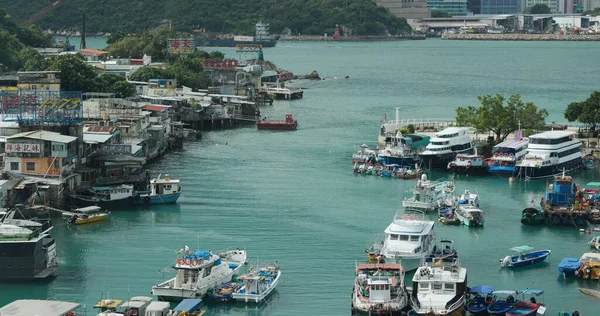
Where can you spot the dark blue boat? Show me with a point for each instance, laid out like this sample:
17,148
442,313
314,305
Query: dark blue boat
568,266
526,257
504,301
483,298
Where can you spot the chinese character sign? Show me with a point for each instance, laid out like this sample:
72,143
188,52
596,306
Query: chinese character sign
22,148
116,149
181,46
219,64
42,106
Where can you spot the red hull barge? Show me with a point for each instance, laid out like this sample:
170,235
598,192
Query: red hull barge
288,125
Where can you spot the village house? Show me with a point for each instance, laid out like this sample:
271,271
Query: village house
39,80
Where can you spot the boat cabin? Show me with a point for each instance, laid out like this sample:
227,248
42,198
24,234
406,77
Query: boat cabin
408,236
379,288
86,211
115,193
158,309
136,306
439,287
561,192
164,185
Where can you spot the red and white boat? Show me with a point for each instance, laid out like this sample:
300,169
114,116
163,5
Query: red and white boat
288,125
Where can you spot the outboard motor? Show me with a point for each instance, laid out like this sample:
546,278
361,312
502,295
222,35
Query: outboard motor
506,261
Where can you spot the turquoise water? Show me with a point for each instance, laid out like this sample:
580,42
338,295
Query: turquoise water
291,196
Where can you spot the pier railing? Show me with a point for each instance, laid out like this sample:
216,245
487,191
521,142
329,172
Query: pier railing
420,123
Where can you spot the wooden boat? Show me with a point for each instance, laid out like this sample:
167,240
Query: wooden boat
505,301
529,307
564,204
590,292
533,217
86,215
288,125
121,196
257,285
525,257
589,164
482,298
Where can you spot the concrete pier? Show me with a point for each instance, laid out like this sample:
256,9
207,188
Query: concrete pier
521,37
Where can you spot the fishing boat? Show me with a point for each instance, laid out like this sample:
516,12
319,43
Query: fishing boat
439,288
121,196
469,198
506,155
530,307
525,257
480,300
470,215
86,215
137,305
589,270
379,289
533,217
590,292
288,125
223,292
257,284
365,155
161,191
595,242
188,307
469,164
564,203
403,149
594,216
504,301
428,195
408,241
588,162
447,215
197,272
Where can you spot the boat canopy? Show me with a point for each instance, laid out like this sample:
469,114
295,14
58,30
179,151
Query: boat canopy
506,292
188,305
593,184
87,209
108,303
523,248
482,289
512,144
531,291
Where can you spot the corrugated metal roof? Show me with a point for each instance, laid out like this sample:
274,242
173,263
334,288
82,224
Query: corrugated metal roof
45,135
93,51
96,138
512,143
99,129
156,108
37,307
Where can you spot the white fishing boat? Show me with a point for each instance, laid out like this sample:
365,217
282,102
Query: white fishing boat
199,271
257,285
365,155
428,195
408,241
439,288
468,211
379,290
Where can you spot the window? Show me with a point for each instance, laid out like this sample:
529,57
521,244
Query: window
423,286
14,166
414,238
448,287
33,87
404,237
437,286
393,237
31,166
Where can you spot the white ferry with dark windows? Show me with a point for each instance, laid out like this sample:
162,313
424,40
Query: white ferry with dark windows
444,147
550,153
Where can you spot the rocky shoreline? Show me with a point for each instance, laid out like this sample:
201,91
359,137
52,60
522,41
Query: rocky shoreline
521,37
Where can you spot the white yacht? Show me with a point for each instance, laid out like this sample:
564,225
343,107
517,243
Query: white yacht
506,155
379,290
199,271
444,147
408,241
439,288
550,153
428,195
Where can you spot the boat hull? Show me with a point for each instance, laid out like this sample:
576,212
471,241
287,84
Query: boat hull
158,199
257,298
105,204
81,221
523,309
503,171
568,266
433,162
469,222
403,161
231,43
473,170
566,218
551,170
277,126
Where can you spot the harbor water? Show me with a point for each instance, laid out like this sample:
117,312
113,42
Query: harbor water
291,196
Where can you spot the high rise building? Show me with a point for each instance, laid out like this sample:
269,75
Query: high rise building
565,6
500,6
408,9
474,6
452,7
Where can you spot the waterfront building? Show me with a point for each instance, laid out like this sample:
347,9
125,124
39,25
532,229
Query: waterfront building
408,9
94,55
552,4
452,7
569,22
41,153
500,6
39,80
474,6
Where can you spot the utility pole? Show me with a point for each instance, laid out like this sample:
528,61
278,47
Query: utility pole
83,43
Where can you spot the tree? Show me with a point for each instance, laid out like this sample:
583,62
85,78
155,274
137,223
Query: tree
112,83
539,8
439,14
75,73
8,50
30,59
587,112
114,37
501,118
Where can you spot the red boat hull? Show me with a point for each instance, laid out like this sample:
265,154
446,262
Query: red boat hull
277,126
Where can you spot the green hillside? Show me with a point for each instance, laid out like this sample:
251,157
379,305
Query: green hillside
308,17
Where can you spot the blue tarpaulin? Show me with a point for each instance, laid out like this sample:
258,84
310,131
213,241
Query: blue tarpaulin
482,289
189,305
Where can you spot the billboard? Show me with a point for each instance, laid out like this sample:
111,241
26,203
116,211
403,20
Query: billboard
219,64
181,46
116,149
33,106
22,148
247,48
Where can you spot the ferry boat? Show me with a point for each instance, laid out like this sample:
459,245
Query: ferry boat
288,125
469,164
444,147
408,241
162,191
86,215
121,196
379,290
199,271
428,195
257,285
550,153
506,155
403,150
439,288
564,203
27,251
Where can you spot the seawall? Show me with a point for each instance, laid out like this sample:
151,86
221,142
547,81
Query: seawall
521,37
318,38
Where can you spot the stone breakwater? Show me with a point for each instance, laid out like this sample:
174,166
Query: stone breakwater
520,37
